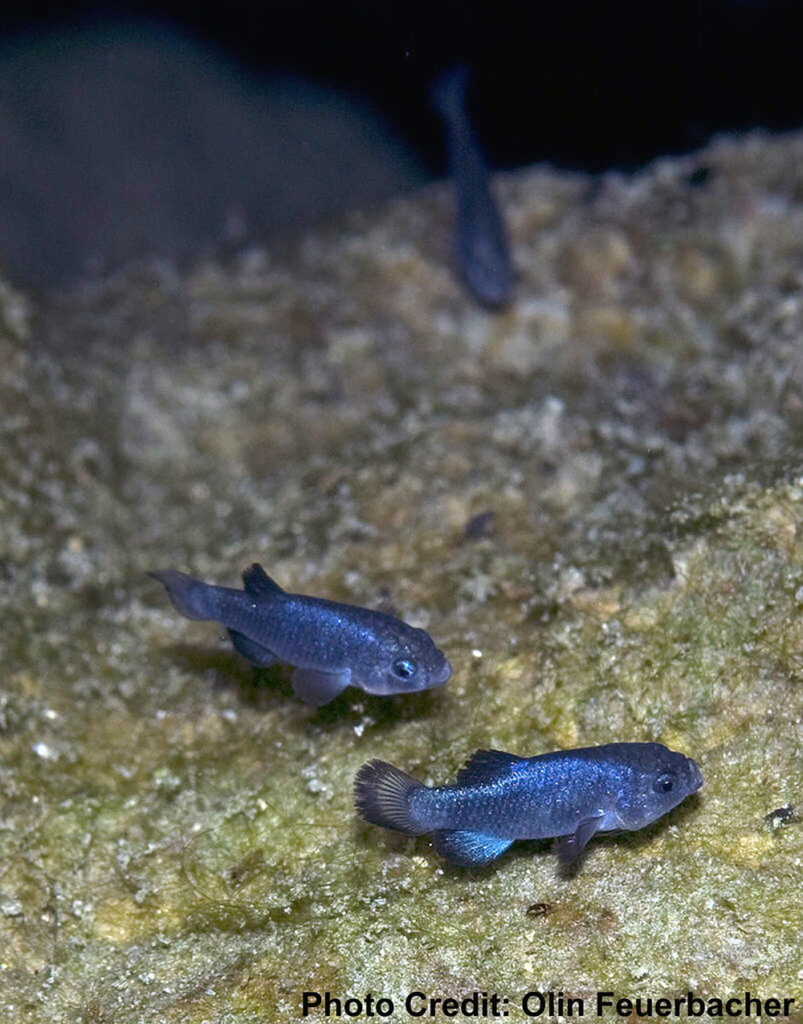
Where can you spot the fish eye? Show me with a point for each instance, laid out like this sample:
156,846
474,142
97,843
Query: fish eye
664,783
404,668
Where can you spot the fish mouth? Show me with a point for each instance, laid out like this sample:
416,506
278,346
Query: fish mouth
696,776
443,676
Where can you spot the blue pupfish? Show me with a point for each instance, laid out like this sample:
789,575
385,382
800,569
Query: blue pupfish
483,251
500,797
331,645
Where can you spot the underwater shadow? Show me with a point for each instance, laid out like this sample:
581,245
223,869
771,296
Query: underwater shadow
352,706
267,688
397,842
635,840
260,688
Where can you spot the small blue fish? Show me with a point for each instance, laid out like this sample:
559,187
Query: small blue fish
500,797
483,251
332,645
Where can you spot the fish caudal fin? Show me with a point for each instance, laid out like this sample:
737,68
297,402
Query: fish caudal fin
190,596
469,849
449,92
382,796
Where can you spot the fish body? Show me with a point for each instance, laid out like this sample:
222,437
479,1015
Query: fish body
331,645
483,250
500,797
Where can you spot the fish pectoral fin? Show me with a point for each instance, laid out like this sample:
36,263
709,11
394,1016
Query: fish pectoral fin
251,650
316,687
571,846
257,583
470,849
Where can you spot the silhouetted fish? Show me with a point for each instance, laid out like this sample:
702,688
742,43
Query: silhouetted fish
483,251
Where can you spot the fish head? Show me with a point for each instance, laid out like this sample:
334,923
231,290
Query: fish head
487,268
658,779
406,660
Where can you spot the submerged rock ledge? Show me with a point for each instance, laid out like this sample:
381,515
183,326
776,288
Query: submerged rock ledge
592,501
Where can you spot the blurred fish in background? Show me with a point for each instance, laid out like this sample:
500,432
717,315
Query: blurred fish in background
128,138
482,247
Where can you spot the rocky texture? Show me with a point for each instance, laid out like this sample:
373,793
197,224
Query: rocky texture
592,501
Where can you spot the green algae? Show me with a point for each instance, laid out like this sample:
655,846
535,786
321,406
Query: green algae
177,838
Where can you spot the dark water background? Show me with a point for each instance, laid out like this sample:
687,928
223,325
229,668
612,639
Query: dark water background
129,130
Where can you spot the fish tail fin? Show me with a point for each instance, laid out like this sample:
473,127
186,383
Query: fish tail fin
449,92
190,596
382,795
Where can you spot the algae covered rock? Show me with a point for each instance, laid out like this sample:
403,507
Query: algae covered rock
592,502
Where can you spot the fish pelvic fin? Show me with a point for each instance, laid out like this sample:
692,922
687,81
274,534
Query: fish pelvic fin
189,596
316,687
382,795
258,584
250,649
469,849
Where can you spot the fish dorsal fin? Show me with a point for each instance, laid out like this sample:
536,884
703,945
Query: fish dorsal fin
484,765
258,583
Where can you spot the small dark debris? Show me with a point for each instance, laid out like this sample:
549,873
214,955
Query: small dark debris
538,910
384,603
250,866
781,816
478,526
699,176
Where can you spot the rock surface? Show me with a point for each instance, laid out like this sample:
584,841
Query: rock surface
592,501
